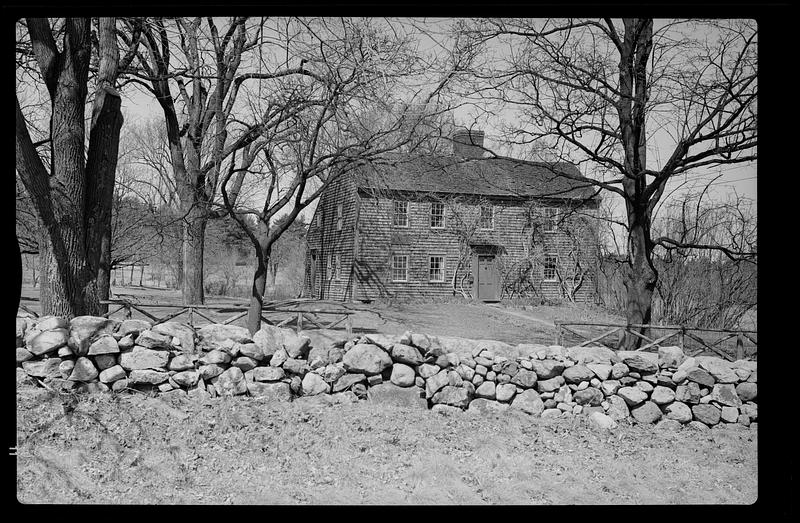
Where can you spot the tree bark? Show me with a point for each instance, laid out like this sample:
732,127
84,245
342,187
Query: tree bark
194,228
263,253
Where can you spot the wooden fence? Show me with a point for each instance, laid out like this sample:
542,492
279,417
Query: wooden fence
683,336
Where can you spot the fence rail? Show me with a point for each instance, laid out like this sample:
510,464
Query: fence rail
680,332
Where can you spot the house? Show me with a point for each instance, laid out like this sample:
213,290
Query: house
460,224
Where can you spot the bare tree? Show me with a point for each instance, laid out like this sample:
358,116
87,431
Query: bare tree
73,197
609,94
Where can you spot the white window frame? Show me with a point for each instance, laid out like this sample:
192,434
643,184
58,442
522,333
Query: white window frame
337,268
392,267
442,267
554,257
552,216
442,226
480,217
395,214
329,268
339,219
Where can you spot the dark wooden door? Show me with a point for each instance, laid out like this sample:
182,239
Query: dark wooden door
487,278
313,275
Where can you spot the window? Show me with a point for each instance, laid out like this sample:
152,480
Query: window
550,261
551,216
339,217
401,214
337,268
436,268
487,217
437,215
329,268
318,218
399,267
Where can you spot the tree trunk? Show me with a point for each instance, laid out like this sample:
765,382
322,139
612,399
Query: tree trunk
259,280
640,283
194,228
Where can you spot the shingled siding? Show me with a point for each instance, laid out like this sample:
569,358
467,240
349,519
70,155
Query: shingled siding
327,240
379,240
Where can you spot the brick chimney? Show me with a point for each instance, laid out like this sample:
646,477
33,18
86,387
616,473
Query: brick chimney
468,143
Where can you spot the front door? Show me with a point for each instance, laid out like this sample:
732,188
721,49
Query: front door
313,276
487,278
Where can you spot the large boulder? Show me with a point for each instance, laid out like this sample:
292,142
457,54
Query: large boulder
436,382
618,408
725,394
366,359
391,394
47,368
266,373
83,330
132,327
642,362
48,341
105,344
721,370
528,401
147,377
215,334
662,395
454,396
231,382
647,412
151,339
678,411
112,374
278,391
547,369
670,357
700,377
347,381
269,338
632,395
588,396
140,358
183,332
483,407
577,374
296,345
747,391
83,370
313,384
406,354
402,375
706,413
524,378
586,355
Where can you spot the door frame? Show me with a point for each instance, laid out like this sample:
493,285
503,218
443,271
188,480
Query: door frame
476,274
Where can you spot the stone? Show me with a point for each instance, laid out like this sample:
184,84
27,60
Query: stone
678,411
549,403
182,331
151,339
528,401
679,377
643,362
112,374
147,377
65,352
594,382
211,371
366,359
84,330
689,393
278,357
707,414
652,379
670,357
295,366
491,375
700,376
644,386
435,383
601,370
296,345
549,385
402,375
214,334
547,369
582,385
484,407
668,425
632,395
619,370
21,326
465,371
186,378
610,387
592,355
454,396
132,327
65,368
750,409
278,391
180,363
697,425
454,379
589,396
391,394
563,395
266,373
743,374
125,343
120,385
721,370
743,419
564,407
662,395
105,361
332,372
104,344
524,378
250,350
602,421
231,382
551,413
505,392
647,412
83,370
165,387
665,381
486,390
729,414
753,377
48,341
23,355
216,357
448,360
313,384
46,323
725,394
419,381
747,391
688,363
427,370
347,381
244,363
446,410
141,358
420,340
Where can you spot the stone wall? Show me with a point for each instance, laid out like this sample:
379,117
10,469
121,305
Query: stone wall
441,373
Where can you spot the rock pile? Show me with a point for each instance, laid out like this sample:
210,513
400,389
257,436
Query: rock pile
413,369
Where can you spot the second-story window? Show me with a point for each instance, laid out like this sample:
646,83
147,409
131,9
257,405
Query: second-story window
329,268
550,262
337,268
487,217
437,215
339,217
551,219
400,214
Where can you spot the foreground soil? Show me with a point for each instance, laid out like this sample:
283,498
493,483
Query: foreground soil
136,449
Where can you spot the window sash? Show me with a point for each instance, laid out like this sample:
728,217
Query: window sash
337,268
339,219
551,219
437,215
329,268
436,268
400,270
400,216
487,217
550,264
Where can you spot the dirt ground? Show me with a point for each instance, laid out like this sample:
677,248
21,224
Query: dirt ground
136,449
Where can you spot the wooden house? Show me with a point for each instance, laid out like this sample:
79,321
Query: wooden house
460,224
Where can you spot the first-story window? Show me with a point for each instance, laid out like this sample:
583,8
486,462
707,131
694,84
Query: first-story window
337,268
550,261
436,268
329,269
400,214
487,217
399,267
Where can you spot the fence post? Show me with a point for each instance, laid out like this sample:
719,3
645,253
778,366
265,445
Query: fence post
739,347
128,312
191,317
558,334
299,321
349,326
683,331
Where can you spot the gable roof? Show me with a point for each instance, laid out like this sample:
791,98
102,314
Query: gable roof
482,177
